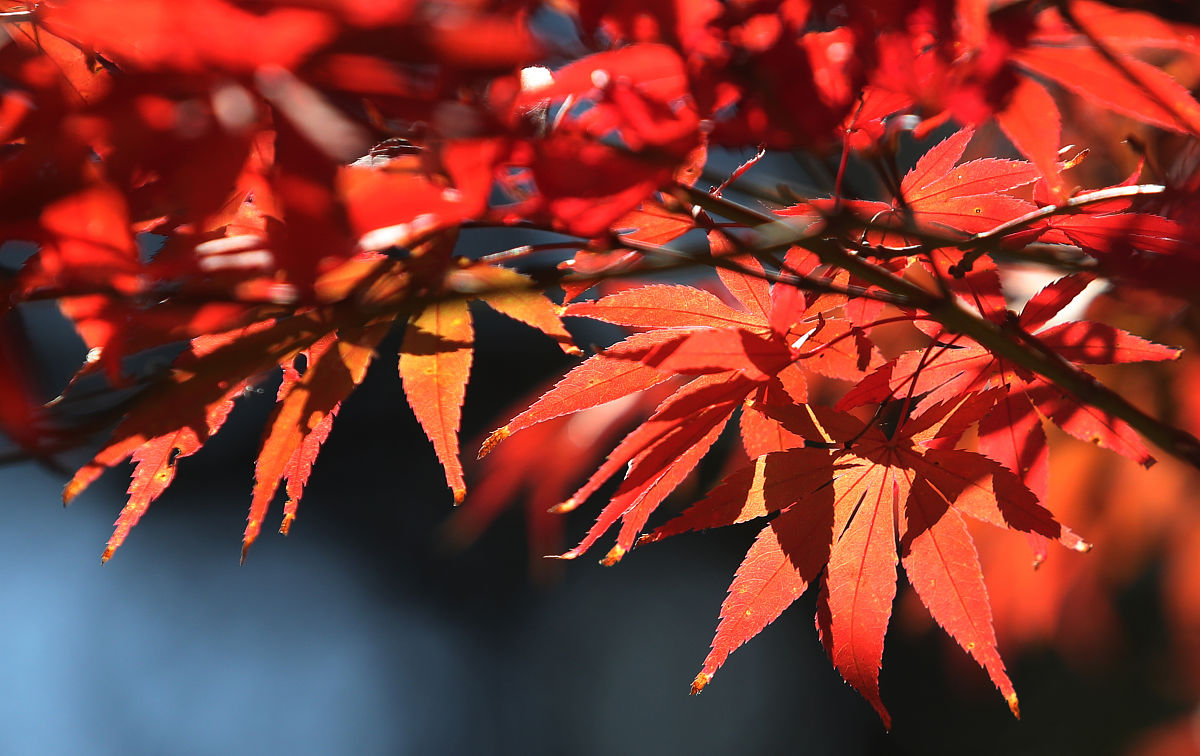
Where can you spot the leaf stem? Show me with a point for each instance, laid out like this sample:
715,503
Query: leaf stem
1016,224
18,17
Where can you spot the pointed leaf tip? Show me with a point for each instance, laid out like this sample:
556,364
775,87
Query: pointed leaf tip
460,495
1013,705
570,505
613,556
71,490
491,442
700,682
286,526
108,552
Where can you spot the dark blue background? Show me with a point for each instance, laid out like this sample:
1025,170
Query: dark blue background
358,634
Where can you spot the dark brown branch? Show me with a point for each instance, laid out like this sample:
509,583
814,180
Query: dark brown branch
947,311
807,283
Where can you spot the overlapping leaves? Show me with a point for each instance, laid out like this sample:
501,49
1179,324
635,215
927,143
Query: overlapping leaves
305,169
847,497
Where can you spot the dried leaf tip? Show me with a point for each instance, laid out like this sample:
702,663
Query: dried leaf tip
108,552
460,495
1082,547
71,490
567,506
1013,705
700,682
286,525
496,437
613,556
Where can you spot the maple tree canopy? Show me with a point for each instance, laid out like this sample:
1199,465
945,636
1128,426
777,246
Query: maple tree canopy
273,186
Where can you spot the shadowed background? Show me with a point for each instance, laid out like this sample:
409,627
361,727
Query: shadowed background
359,633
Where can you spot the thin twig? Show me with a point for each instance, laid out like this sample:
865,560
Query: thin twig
17,17
739,171
807,283
973,244
992,336
525,250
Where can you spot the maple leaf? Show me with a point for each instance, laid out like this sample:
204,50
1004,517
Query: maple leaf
1135,248
942,197
303,417
1011,431
653,222
728,353
967,196
1151,96
180,413
144,33
400,202
177,415
81,75
1031,121
621,134
293,238
945,198
435,361
939,193
187,405
541,467
435,358
1015,53
845,516
87,244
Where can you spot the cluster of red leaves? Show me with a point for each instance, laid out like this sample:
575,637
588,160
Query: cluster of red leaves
866,488
304,168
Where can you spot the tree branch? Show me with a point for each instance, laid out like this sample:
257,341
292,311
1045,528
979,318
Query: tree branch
947,311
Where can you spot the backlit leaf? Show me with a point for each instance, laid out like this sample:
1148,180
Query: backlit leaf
786,558
942,566
435,363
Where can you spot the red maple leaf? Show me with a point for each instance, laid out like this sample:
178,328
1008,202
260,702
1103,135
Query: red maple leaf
1085,47
306,406
188,406
435,358
540,467
730,354
308,167
1011,431
843,515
